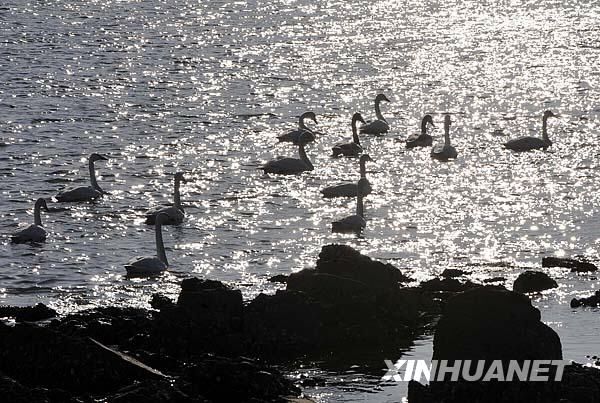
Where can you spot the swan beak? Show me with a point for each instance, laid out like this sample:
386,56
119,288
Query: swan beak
103,157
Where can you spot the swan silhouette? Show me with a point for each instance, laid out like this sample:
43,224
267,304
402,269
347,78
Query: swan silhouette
445,151
84,193
423,139
146,266
351,189
350,149
290,166
354,223
295,135
379,126
533,143
33,232
175,213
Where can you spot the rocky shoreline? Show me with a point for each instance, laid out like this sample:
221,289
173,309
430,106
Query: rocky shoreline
210,345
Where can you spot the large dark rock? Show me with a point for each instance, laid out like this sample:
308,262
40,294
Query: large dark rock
574,265
533,281
28,313
592,301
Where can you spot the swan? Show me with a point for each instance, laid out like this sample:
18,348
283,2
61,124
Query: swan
351,189
175,212
379,126
294,135
533,143
84,193
290,166
350,149
140,266
423,139
354,223
446,151
33,232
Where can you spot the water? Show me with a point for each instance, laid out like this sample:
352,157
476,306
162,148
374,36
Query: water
205,87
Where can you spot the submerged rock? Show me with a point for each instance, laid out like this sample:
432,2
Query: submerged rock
533,281
574,265
451,273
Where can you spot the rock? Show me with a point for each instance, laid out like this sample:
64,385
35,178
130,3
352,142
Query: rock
451,273
160,301
494,280
490,323
574,265
29,313
448,285
592,301
279,278
533,281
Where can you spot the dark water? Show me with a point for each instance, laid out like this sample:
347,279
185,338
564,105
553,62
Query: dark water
205,87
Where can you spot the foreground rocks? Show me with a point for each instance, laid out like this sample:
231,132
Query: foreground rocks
533,281
491,323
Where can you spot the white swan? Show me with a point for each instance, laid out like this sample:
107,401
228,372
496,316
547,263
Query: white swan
84,193
445,151
379,126
533,143
423,139
354,223
141,266
350,149
33,232
290,166
294,135
175,213
351,189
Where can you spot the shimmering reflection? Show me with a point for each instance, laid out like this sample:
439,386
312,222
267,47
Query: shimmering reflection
205,88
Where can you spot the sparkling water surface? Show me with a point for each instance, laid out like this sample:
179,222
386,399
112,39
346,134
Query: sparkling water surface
204,87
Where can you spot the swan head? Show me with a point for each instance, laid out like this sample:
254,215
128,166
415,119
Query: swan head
364,158
381,97
97,157
427,119
180,178
357,117
41,203
309,115
549,114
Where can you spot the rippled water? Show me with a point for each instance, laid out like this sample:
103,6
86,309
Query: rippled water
205,88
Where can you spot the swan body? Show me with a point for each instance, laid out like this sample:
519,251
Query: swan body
303,132
34,233
350,149
290,166
533,143
423,139
351,189
354,223
175,213
84,193
147,266
379,126
445,151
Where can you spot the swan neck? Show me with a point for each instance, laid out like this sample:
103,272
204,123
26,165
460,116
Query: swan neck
176,194
378,111
363,169
304,157
37,216
447,135
360,208
545,128
93,176
160,246
355,133
423,127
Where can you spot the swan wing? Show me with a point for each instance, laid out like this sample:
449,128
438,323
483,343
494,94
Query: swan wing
347,149
343,190
174,215
375,127
285,166
419,141
31,233
145,266
83,193
353,223
526,144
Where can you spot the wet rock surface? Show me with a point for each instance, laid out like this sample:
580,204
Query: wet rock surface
592,301
574,265
533,281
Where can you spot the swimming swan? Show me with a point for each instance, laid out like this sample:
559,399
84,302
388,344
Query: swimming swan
84,193
533,143
294,135
175,212
354,223
351,189
423,139
33,232
379,126
290,166
140,266
350,149
445,151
